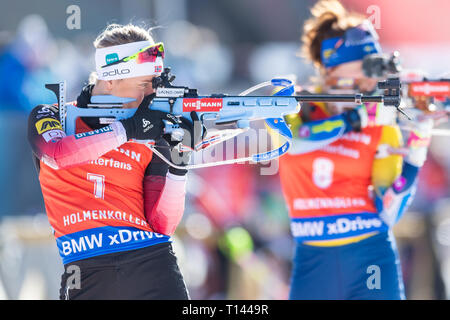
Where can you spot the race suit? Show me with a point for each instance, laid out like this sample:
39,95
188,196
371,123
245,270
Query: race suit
342,202
103,195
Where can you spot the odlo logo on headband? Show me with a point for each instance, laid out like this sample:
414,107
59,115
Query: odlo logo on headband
112,57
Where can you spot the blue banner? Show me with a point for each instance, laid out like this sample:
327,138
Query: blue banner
103,240
336,227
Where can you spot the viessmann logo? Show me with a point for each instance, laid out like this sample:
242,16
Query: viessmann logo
205,104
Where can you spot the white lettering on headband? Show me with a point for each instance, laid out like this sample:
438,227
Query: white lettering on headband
107,69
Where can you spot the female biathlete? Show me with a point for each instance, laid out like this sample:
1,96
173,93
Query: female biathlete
113,205
343,188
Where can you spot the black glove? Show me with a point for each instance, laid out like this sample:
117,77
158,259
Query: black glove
193,134
145,124
356,119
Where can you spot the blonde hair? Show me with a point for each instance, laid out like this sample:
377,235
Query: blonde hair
117,34
329,19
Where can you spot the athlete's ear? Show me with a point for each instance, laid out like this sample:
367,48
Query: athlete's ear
110,84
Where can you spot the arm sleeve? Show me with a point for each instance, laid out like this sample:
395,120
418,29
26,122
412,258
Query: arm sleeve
51,145
392,203
164,194
166,214
385,170
394,180
311,135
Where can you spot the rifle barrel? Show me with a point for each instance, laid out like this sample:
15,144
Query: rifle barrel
358,98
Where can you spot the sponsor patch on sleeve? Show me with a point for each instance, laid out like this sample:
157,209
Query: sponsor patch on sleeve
93,132
53,134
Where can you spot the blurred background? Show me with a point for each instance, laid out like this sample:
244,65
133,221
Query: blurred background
234,240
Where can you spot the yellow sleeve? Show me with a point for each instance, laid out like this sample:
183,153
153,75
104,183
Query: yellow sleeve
386,170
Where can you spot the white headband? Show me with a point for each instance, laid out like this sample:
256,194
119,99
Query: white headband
128,69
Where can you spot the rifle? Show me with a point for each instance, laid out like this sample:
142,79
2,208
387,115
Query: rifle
426,93
431,96
221,109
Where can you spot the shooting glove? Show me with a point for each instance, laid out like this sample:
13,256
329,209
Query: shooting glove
193,134
356,119
420,137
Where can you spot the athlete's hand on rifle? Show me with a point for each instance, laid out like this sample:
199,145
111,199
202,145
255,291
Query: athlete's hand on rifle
420,136
145,124
181,149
